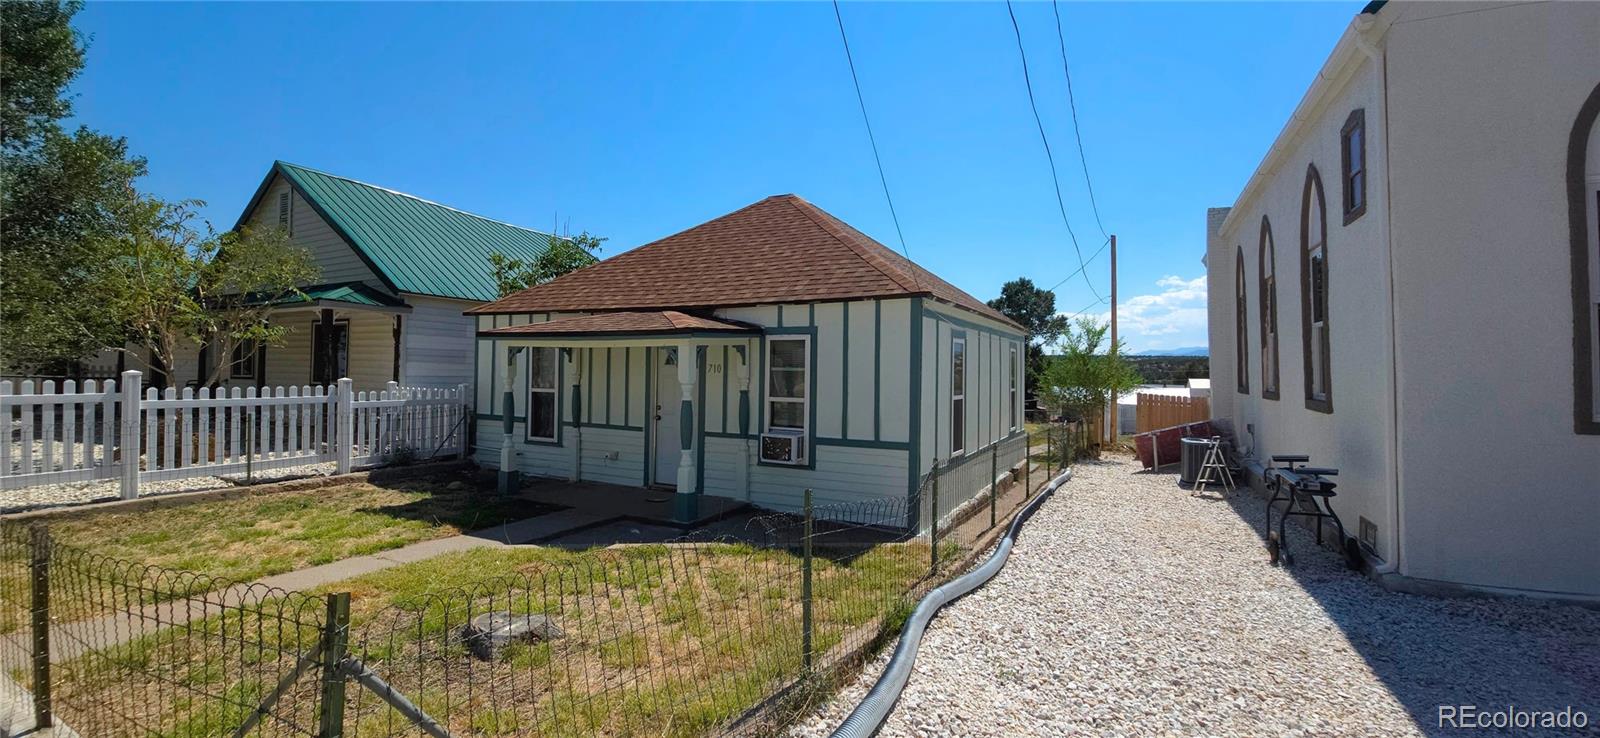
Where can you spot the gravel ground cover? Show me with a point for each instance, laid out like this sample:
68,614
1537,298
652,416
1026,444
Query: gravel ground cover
1130,608
78,493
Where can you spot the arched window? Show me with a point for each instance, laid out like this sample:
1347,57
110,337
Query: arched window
1241,326
1267,278
1583,208
1314,288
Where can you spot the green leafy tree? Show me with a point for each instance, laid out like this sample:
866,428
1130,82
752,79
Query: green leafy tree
1035,309
176,287
1086,375
565,254
65,197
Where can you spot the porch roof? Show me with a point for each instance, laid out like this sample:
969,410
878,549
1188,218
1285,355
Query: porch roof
627,324
342,295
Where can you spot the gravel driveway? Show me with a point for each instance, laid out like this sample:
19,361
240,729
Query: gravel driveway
1130,608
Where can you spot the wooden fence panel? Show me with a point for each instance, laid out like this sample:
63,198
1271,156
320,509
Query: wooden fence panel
1157,411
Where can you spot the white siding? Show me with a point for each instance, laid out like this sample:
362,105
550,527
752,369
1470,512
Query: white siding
338,261
436,343
843,474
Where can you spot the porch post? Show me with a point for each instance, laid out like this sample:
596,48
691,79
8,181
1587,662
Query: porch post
508,480
688,370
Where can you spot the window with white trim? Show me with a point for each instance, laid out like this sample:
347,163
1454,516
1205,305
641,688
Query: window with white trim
1013,387
544,397
788,377
958,395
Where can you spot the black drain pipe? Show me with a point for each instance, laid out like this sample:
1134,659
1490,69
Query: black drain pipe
868,717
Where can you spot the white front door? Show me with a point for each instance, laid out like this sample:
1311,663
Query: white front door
668,401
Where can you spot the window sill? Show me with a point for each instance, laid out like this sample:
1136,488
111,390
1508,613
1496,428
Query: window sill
1355,215
1324,405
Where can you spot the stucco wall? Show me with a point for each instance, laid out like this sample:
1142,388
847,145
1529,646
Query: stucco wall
1498,489
1355,436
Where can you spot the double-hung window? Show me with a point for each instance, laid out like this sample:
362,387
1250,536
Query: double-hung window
543,395
958,395
788,376
1013,388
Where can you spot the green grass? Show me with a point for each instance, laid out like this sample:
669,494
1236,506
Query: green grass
658,640
246,538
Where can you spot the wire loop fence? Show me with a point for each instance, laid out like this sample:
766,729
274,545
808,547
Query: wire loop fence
685,637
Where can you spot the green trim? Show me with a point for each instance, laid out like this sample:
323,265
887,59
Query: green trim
608,384
627,384
497,416
877,370
860,443
914,436
974,326
811,389
606,426
649,414
844,377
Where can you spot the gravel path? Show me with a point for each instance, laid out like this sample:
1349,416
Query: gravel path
1130,608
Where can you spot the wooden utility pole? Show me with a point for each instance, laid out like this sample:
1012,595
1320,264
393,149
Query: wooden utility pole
1111,407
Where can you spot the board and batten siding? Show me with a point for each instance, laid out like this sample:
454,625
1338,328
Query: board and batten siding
988,410
860,392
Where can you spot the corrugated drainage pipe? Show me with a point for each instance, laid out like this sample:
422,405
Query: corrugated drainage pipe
868,717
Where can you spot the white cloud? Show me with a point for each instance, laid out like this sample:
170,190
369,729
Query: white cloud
1172,318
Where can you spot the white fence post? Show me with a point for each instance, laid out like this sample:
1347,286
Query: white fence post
465,421
346,418
129,442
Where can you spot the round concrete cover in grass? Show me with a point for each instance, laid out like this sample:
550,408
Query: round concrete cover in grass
490,633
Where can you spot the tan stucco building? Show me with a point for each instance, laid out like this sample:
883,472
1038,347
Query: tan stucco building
1423,238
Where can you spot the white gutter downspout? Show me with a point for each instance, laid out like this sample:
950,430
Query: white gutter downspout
1380,73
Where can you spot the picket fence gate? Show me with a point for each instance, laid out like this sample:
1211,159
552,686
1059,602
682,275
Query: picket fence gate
111,430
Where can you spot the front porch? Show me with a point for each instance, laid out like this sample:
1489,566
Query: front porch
628,400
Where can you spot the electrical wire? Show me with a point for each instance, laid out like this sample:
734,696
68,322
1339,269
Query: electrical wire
1055,178
870,137
1077,131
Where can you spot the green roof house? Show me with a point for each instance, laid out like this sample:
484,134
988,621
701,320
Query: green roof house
398,272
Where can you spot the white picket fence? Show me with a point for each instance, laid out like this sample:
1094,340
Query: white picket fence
111,431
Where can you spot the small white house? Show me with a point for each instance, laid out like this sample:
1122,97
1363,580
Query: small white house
398,272
1407,290
767,351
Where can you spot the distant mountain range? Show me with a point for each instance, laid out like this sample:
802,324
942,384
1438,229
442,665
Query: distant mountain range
1184,351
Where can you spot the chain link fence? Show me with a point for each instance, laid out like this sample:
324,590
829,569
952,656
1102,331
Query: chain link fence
681,638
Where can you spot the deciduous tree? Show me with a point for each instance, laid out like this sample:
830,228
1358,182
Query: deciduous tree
1035,309
565,254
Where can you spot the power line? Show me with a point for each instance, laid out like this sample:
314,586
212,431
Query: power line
1077,131
1054,177
1098,252
871,138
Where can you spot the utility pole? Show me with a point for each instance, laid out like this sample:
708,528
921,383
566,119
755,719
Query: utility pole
1111,407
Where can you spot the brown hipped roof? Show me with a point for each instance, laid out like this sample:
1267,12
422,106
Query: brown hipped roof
660,321
779,250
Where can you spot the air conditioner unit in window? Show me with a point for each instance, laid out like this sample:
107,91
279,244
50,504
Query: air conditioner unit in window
783,447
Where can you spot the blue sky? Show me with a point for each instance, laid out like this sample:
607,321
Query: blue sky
634,121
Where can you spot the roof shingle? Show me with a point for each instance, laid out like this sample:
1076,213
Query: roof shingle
779,250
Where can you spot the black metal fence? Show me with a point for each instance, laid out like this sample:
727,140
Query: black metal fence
681,638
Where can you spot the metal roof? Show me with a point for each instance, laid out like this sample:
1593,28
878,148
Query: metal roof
414,245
